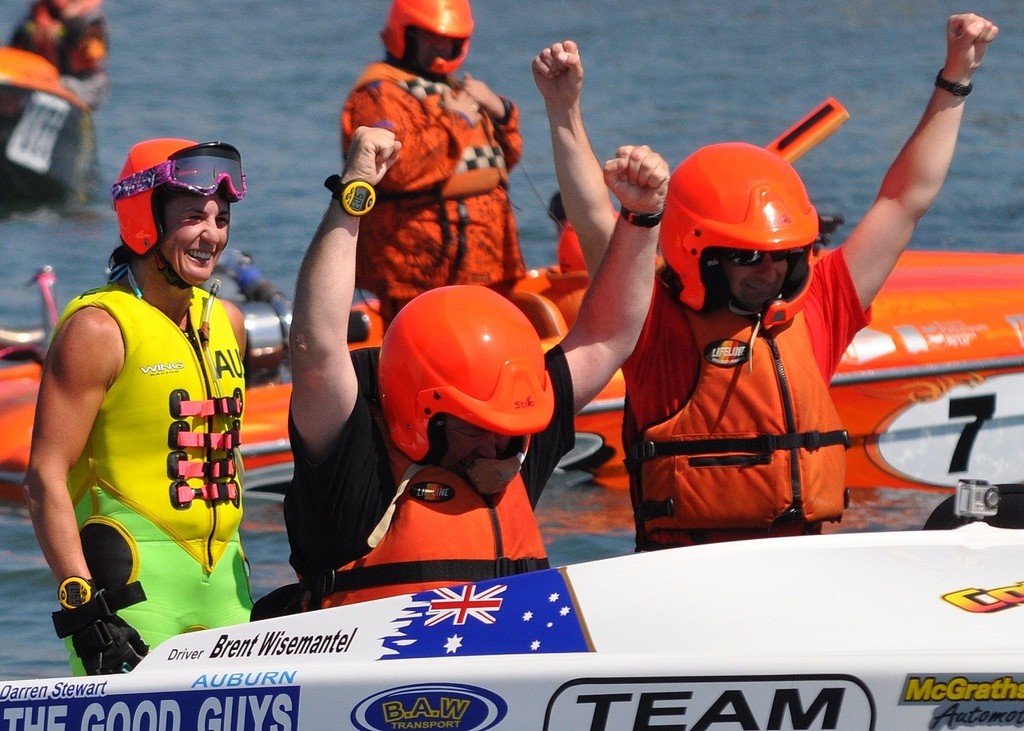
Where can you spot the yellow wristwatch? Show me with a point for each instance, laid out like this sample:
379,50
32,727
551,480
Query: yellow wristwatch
356,197
74,591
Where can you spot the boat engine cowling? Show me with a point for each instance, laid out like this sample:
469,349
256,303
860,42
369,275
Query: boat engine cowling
266,332
268,317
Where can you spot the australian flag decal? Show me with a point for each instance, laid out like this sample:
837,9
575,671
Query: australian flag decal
528,614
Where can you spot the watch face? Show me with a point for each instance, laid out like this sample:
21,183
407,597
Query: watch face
360,197
74,592
357,198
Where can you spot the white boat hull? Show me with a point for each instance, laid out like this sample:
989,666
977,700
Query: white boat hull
909,630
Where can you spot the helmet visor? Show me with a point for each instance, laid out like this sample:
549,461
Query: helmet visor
753,257
202,169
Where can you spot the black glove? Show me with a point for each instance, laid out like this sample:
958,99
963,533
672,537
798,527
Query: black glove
105,643
109,646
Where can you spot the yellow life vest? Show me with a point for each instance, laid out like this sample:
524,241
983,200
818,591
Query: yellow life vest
165,441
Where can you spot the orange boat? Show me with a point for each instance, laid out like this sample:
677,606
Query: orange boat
931,392
47,139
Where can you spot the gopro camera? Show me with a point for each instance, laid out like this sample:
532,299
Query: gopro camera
976,499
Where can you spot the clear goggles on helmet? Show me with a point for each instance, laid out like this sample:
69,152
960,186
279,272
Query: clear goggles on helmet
202,169
753,257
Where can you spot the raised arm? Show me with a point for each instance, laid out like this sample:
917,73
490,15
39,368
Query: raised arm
558,73
324,384
616,303
916,176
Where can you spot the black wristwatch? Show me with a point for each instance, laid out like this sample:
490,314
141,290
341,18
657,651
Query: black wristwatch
644,220
356,197
952,87
74,591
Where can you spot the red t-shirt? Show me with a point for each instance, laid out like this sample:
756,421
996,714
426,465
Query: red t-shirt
661,372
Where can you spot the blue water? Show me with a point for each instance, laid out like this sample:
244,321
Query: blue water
270,78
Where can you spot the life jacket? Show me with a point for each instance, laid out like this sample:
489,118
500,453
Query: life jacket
86,51
758,441
481,167
439,532
165,440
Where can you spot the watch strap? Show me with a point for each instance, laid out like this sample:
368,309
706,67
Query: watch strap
104,604
953,88
645,220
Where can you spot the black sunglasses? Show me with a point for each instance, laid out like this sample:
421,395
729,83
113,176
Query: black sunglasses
750,257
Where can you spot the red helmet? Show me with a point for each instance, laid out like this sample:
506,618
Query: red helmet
465,351
736,195
449,18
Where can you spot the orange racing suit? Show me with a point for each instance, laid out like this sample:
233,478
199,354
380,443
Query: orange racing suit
443,214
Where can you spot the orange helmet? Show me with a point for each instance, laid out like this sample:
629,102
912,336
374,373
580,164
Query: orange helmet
449,18
466,351
184,165
735,195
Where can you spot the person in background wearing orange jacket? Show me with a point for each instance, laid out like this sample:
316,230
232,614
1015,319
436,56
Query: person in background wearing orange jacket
443,213
72,35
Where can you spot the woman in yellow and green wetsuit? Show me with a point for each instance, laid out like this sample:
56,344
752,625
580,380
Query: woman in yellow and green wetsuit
134,478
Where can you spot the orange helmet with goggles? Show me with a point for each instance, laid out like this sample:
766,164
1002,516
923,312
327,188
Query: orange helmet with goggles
183,165
737,196
449,18
466,351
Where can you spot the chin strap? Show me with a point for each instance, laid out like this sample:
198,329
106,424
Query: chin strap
492,476
172,277
758,321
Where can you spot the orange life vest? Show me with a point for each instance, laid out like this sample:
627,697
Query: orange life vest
442,532
759,440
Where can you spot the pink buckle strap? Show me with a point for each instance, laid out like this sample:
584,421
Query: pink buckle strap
209,470
181,405
182,494
180,435
227,441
